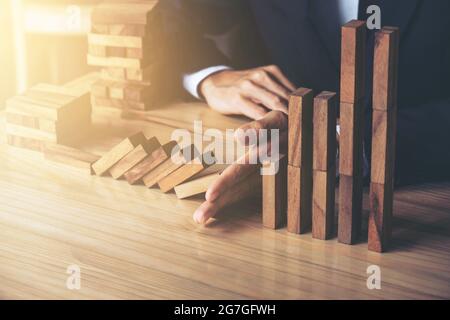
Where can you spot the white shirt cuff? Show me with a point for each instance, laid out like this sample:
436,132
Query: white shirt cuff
191,81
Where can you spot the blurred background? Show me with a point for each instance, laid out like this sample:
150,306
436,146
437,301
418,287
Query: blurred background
42,41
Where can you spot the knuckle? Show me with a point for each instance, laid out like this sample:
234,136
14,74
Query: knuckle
258,75
245,84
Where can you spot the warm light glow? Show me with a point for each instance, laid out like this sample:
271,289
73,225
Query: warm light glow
19,45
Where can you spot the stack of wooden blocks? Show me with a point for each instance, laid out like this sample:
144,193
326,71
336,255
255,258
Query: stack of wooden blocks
311,169
124,42
47,114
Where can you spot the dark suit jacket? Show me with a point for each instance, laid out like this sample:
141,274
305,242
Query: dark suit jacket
288,33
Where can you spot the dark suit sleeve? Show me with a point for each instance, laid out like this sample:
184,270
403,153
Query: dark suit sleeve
423,142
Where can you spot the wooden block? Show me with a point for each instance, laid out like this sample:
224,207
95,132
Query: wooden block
184,173
195,187
134,157
323,204
385,76
301,128
97,51
351,139
113,73
300,187
150,162
135,30
121,104
384,132
380,217
324,136
274,202
147,74
108,160
350,208
101,88
124,13
176,161
353,53
24,142
115,41
115,62
70,156
100,28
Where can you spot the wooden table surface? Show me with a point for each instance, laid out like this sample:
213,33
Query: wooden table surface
133,242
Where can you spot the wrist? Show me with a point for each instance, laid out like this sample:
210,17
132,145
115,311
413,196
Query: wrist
207,84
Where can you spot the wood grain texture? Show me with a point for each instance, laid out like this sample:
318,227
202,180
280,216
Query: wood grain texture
196,186
134,157
115,41
323,204
353,52
324,135
299,203
385,76
70,156
274,196
350,208
108,160
123,13
150,162
300,128
115,62
138,243
380,217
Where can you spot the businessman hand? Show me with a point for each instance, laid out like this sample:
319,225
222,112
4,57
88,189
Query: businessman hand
224,192
252,93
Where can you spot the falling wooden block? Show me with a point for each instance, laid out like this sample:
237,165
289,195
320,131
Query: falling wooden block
150,162
350,208
134,157
108,160
380,217
385,76
301,128
353,53
324,136
274,194
300,187
70,156
176,161
124,13
186,172
323,204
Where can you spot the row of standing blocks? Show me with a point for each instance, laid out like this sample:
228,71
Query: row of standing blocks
310,167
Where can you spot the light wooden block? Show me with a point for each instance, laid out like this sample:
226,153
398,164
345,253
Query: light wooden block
115,41
385,76
353,60
324,136
380,217
301,128
274,202
25,143
121,104
115,62
134,157
124,13
195,187
323,204
300,188
70,156
108,160
150,162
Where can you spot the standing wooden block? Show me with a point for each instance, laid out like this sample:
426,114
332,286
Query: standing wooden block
300,128
108,160
353,53
274,202
150,162
323,204
115,62
350,208
70,157
324,136
115,41
300,187
380,217
134,157
385,76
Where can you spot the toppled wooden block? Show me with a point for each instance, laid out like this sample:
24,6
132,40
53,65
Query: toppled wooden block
134,157
70,156
185,172
150,162
177,159
275,196
108,160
